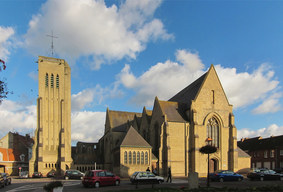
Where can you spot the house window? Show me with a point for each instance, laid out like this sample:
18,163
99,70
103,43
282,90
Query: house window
281,152
212,131
130,157
142,158
22,157
134,157
265,154
125,157
1,156
52,83
258,154
281,163
57,81
272,153
146,161
138,157
254,154
46,80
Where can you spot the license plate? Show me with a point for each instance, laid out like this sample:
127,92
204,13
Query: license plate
86,179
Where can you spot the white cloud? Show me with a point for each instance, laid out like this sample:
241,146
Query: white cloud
269,105
272,130
5,42
94,96
90,28
166,79
17,117
87,126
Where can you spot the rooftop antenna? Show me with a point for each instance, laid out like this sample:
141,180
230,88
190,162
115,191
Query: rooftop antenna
52,47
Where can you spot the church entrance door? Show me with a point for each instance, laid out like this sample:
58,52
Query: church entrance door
212,165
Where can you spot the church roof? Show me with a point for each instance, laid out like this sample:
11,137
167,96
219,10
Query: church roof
118,119
133,138
242,153
174,111
190,92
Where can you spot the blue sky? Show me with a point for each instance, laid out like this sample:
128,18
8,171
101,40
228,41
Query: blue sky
124,53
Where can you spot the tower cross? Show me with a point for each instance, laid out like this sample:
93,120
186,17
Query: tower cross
52,40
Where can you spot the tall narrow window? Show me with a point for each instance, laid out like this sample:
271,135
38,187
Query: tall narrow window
134,157
212,97
146,158
46,80
57,81
125,157
212,131
130,157
138,157
142,158
52,81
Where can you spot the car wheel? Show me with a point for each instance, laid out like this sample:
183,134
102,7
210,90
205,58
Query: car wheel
159,182
96,184
239,179
261,178
86,186
66,177
117,182
221,179
281,178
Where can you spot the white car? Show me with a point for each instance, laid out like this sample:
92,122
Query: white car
146,177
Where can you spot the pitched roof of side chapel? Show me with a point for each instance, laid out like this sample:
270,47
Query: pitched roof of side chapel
118,119
133,138
174,111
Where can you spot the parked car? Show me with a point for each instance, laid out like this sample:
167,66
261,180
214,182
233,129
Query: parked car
73,174
146,176
37,175
24,174
7,178
225,175
51,174
278,170
99,178
2,181
264,174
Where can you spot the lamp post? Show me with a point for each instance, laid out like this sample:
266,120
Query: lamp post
208,142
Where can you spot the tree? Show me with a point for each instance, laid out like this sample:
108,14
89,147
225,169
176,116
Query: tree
3,84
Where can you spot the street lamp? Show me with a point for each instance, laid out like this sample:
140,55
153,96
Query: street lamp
208,142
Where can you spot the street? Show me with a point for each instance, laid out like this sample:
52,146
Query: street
35,184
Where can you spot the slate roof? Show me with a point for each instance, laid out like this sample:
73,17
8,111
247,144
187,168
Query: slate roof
133,138
175,111
190,92
242,153
258,143
118,119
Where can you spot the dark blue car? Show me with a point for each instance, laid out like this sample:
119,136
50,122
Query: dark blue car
225,175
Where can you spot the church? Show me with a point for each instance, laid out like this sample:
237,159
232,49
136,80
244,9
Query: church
168,136
171,134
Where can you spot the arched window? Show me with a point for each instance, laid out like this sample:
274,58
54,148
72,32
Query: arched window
46,165
146,158
212,131
138,157
57,81
130,157
52,81
142,158
49,165
134,157
46,80
125,157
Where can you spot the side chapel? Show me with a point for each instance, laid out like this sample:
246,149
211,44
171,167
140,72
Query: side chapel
172,133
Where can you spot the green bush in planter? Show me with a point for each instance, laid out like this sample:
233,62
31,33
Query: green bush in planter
50,186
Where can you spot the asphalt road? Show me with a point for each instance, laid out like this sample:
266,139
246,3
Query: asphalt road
35,185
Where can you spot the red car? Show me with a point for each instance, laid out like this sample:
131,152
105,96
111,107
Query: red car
100,177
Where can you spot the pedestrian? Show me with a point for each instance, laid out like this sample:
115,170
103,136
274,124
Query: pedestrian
148,169
169,175
155,171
